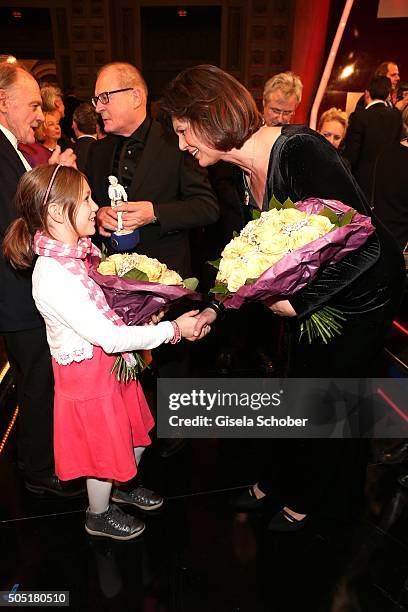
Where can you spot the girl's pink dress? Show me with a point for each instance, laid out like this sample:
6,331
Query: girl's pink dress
97,420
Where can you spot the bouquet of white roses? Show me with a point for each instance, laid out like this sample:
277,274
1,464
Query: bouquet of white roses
282,250
134,266
136,287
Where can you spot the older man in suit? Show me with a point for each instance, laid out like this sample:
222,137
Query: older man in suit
168,194
20,322
370,132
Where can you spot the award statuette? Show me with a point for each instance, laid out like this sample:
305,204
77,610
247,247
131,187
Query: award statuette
121,240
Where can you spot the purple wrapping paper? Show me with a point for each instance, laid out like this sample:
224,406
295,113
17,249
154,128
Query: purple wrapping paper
300,267
136,301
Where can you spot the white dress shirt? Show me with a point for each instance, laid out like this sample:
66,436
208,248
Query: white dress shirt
376,102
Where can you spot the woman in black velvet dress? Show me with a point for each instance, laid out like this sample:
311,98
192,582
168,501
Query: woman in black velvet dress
216,118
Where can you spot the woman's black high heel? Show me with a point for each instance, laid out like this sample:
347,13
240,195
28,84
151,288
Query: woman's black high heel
247,501
284,522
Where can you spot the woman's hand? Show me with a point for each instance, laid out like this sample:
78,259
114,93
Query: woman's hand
187,323
282,308
203,321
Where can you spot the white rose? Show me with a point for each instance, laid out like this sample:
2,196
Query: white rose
237,247
291,215
303,236
256,265
276,247
265,232
226,268
237,278
170,277
107,267
150,266
322,223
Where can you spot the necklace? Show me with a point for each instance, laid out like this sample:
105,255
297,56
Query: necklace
248,176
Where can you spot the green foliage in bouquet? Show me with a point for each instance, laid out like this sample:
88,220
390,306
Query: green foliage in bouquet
323,324
220,288
135,274
191,283
124,372
338,221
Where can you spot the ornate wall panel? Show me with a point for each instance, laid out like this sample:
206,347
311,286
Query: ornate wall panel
127,35
90,46
269,27
255,41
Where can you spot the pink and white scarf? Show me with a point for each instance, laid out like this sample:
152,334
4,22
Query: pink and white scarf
75,259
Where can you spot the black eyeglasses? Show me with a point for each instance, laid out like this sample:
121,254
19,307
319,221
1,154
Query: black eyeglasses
103,97
284,113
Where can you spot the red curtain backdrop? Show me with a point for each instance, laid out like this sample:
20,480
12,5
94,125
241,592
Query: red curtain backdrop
309,42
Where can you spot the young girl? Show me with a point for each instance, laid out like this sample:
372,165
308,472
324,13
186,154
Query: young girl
101,426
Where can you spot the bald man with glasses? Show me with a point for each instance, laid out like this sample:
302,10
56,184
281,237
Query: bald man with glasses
168,193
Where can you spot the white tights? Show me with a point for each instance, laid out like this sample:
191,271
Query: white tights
99,490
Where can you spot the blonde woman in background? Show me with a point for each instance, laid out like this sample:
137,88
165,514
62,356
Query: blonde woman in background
333,126
49,132
47,135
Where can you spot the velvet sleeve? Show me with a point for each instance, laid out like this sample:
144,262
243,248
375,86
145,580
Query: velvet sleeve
311,167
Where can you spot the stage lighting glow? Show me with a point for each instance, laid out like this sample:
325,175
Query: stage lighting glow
347,71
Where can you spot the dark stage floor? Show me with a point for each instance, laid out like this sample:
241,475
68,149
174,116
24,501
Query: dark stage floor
199,555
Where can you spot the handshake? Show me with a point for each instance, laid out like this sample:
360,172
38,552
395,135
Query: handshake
194,325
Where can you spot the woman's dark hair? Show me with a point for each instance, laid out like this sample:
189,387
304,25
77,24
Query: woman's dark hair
216,105
66,190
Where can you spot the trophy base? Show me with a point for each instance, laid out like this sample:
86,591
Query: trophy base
125,241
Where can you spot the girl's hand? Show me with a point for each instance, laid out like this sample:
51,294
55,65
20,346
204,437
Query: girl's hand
187,323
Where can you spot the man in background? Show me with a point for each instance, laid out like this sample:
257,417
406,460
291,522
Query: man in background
370,131
84,127
20,322
281,97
